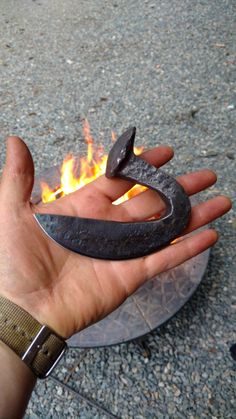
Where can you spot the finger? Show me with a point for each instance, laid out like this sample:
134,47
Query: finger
207,212
18,174
149,203
197,181
114,188
178,253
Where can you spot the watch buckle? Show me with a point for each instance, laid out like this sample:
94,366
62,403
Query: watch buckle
36,345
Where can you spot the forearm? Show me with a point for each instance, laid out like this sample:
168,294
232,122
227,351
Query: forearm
16,384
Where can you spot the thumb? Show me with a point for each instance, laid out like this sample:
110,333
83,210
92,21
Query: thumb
18,173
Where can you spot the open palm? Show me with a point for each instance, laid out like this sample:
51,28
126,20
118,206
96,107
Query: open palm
68,291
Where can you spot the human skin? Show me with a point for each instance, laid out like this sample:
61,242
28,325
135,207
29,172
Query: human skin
67,291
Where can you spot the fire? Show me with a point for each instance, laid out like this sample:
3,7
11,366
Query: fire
91,167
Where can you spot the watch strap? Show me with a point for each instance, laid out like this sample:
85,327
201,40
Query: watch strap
37,345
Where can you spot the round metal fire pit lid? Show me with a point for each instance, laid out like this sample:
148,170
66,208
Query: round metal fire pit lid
149,307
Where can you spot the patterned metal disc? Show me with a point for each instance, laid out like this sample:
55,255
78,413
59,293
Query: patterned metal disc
149,307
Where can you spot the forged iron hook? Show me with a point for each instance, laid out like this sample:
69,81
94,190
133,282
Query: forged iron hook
116,240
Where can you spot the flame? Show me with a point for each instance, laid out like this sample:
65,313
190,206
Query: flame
91,167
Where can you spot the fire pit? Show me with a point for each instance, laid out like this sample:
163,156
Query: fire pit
151,305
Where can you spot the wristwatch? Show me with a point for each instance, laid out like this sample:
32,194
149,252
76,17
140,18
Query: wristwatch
37,345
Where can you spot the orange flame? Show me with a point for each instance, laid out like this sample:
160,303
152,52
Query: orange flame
91,167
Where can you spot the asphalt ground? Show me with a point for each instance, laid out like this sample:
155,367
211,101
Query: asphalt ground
167,67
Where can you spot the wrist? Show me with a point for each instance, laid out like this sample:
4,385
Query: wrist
18,368
40,308
17,384
39,347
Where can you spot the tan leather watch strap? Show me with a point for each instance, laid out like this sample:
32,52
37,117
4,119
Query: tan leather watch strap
37,345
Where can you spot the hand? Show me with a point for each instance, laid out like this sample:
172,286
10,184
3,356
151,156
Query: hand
68,291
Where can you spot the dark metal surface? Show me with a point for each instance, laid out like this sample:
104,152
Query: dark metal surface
124,240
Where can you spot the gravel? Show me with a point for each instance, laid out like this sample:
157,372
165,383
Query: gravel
169,69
